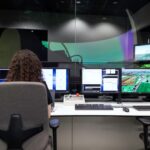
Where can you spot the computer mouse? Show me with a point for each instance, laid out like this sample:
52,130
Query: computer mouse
125,109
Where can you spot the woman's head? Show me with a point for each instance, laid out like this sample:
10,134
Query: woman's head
25,66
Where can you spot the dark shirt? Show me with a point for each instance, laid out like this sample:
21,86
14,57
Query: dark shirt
49,97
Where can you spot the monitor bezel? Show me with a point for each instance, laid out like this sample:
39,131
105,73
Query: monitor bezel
6,69
105,92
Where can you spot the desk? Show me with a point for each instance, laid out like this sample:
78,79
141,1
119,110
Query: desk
99,130
69,110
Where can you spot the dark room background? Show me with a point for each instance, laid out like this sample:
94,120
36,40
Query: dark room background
84,31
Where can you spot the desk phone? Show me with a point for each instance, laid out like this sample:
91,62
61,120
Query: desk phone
74,99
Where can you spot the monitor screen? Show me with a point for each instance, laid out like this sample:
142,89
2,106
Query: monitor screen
135,81
56,79
142,52
3,74
100,81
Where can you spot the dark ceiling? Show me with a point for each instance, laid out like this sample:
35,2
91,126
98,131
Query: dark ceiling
97,7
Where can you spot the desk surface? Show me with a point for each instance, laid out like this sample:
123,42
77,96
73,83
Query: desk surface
62,109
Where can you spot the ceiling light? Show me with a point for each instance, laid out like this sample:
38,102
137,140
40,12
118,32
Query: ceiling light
62,2
78,2
104,18
27,11
115,2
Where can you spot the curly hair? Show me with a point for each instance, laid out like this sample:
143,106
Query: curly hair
25,66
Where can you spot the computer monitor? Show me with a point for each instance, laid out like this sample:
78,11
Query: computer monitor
56,79
3,74
100,81
135,81
142,52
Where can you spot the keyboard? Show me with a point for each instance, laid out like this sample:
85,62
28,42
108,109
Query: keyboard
142,108
93,107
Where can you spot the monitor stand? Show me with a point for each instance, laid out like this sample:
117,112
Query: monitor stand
105,98
58,97
91,96
146,98
130,98
97,98
116,98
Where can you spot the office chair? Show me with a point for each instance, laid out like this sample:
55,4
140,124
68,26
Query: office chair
23,116
145,136
54,122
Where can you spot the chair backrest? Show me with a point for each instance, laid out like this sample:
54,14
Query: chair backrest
29,99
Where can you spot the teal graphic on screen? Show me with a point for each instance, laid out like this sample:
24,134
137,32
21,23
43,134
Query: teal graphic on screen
115,49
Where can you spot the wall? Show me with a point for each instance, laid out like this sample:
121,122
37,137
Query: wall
142,21
86,38
141,17
92,35
8,46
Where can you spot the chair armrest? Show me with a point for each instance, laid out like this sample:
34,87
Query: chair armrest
54,123
144,120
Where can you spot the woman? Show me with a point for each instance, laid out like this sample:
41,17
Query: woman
26,66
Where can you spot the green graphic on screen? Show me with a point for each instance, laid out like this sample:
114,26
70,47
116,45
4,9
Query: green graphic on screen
92,52
136,80
145,66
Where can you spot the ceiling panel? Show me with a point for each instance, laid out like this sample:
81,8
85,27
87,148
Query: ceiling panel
98,7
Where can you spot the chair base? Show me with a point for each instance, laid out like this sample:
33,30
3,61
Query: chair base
141,135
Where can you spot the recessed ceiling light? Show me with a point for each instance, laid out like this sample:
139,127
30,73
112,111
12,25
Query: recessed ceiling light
104,18
115,2
62,1
78,2
27,11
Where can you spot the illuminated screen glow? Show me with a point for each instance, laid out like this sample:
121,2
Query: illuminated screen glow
142,52
135,80
56,79
145,66
3,74
100,80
